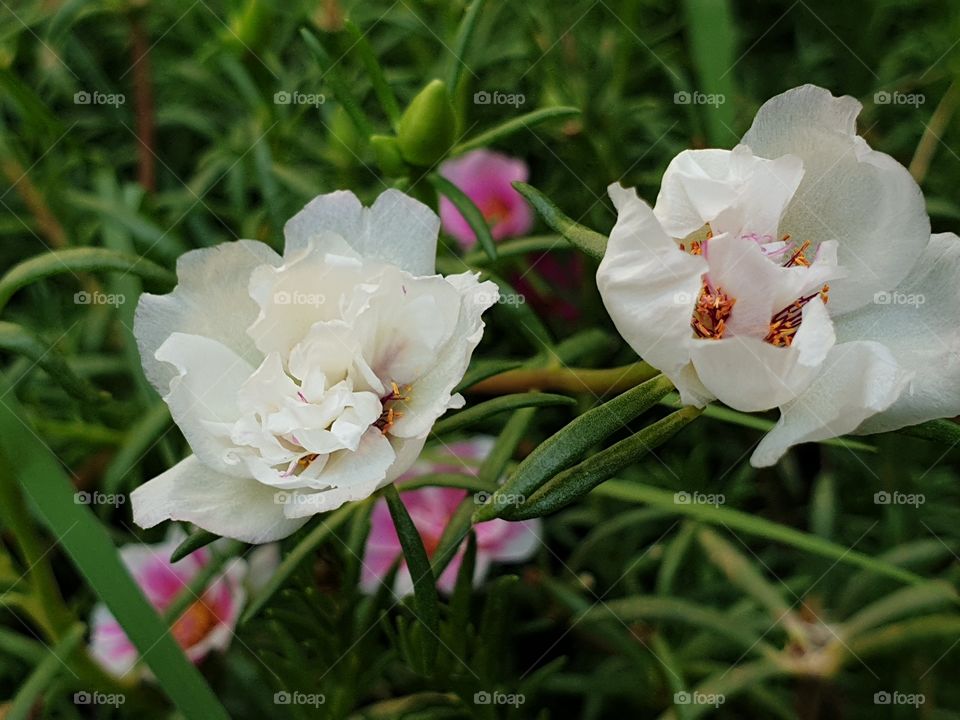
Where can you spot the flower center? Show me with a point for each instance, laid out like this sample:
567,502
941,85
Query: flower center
713,308
390,413
711,312
191,627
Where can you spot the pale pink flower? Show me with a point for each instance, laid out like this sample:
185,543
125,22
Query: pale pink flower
485,177
430,509
207,624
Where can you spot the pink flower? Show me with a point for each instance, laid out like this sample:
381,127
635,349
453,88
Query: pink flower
430,509
485,177
207,624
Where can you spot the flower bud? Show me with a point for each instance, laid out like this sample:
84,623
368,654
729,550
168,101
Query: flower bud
427,126
387,152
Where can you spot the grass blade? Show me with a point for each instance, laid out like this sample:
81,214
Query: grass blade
90,548
424,583
471,213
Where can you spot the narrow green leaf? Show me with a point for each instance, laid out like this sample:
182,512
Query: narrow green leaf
509,439
529,120
142,436
340,88
943,431
471,213
458,526
74,260
476,413
451,480
572,484
90,548
573,442
729,683
44,674
644,608
198,584
537,244
905,602
462,43
756,526
743,574
493,628
17,339
326,526
588,241
381,87
945,627
424,583
195,540
712,41
462,595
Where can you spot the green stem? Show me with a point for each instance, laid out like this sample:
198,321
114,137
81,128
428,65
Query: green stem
567,379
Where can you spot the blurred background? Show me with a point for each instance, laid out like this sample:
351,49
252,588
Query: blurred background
154,128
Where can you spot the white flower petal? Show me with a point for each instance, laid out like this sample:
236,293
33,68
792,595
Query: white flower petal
858,380
431,392
750,375
918,324
211,299
349,476
203,395
396,229
649,287
734,191
241,508
863,199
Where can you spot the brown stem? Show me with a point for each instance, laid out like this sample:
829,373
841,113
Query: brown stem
47,223
143,100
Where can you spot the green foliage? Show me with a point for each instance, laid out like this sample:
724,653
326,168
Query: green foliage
665,567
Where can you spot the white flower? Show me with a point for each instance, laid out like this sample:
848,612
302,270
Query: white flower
306,381
795,271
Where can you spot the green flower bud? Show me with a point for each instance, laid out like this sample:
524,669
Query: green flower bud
386,149
428,125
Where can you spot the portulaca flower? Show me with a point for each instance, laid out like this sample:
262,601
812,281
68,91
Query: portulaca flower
206,625
485,177
796,271
431,509
305,381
